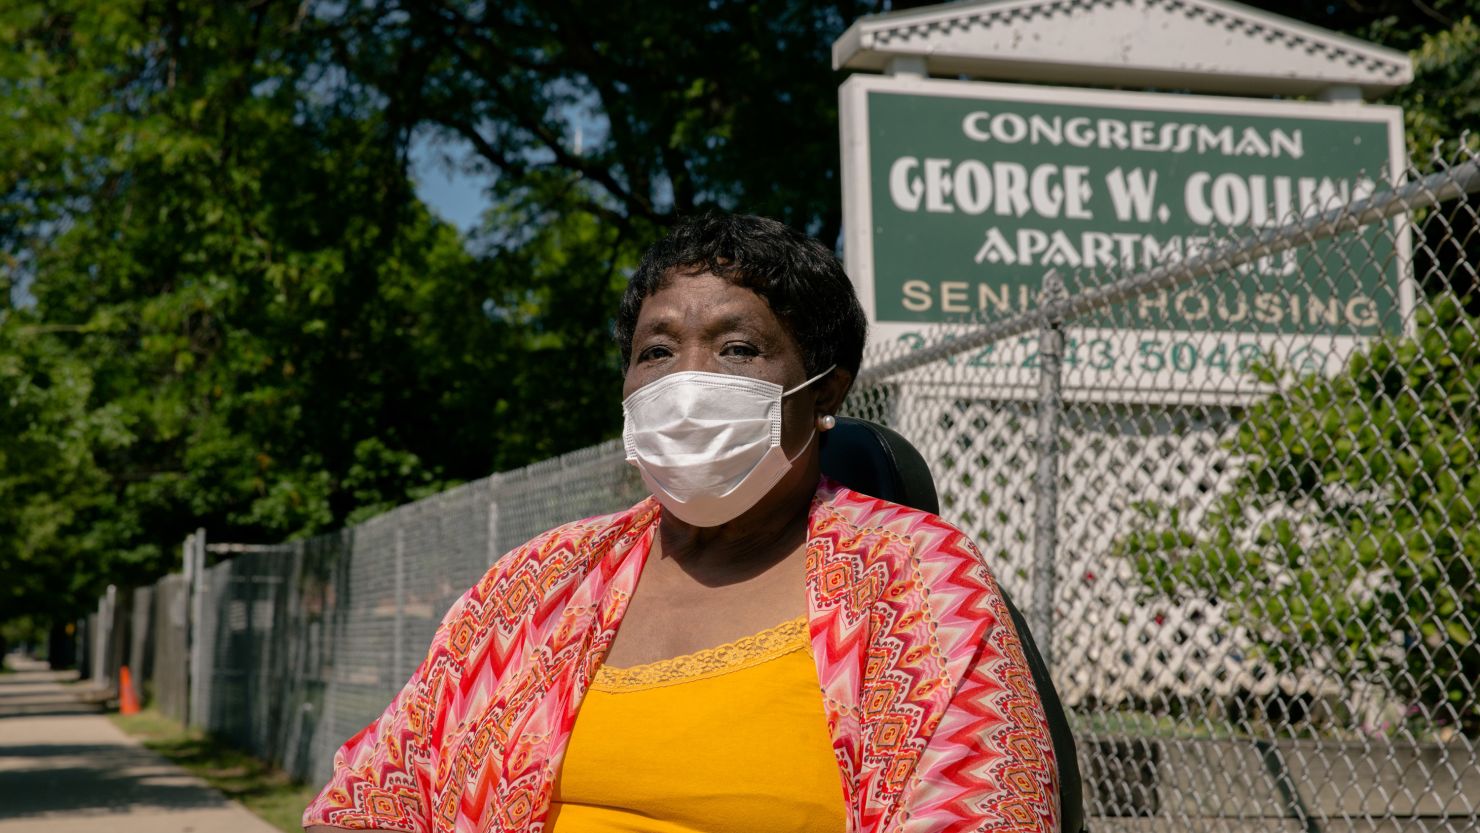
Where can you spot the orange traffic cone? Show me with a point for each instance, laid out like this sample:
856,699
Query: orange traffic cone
128,699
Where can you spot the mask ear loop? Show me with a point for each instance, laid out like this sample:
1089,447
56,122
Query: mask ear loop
806,445
810,437
830,368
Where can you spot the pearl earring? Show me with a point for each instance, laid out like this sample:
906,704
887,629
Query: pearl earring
826,422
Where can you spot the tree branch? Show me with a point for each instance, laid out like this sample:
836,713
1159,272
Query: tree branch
633,199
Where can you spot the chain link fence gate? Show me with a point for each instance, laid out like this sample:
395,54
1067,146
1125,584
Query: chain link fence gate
1250,555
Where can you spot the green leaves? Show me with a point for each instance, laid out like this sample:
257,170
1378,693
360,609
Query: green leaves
1351,527
1445,96
240,315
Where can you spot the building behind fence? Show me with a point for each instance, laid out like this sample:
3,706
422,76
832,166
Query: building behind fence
1253,568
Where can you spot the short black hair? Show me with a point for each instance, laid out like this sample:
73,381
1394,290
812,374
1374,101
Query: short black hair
799,277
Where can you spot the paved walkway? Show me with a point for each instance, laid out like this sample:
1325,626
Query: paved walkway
65,769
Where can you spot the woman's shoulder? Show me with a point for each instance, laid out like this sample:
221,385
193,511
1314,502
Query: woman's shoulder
577,544
906,540
549,566
864,513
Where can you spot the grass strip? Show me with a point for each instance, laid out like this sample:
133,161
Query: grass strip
266,791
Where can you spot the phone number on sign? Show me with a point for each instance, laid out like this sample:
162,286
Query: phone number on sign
1151,355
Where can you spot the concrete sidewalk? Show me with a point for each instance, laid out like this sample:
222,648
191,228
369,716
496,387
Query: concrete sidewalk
65,769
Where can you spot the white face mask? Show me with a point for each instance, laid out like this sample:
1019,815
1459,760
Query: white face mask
708,444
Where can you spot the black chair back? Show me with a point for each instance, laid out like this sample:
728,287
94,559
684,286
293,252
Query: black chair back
877,461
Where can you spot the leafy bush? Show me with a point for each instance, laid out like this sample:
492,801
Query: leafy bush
1348,542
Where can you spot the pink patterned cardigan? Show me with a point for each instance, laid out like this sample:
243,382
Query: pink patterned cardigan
934,719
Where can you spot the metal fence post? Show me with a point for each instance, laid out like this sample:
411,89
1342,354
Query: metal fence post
398,635
1046,483
493,550
196,553
103,638
187,558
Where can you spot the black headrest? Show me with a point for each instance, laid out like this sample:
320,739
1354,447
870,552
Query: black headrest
876,461
869,458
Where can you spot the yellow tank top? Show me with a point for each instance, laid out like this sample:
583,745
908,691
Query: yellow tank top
728,739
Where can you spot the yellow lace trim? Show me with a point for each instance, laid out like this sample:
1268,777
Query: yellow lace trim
710,662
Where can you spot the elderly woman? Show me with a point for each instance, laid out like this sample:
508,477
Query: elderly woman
754,647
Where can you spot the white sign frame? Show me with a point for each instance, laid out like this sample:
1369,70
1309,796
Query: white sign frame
858,224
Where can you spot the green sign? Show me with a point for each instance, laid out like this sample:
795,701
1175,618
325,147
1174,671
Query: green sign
972,192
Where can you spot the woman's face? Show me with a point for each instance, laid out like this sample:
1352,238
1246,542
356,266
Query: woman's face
703,322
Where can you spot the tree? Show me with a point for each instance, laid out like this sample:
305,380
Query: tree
239,313
637,112
49,478
225,305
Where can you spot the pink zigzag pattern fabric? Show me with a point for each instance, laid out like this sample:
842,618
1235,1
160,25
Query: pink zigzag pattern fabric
934,719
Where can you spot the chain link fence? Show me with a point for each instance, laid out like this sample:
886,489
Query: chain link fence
301,645
1233,483
1236,478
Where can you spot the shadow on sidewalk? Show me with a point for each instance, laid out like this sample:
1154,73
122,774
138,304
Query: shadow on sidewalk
64,767
37,691
58,754
43,779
